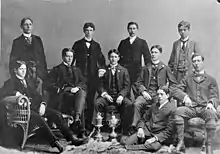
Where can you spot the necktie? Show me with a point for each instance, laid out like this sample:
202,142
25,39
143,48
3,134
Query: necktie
184,44
113,69
24,83
88,41
28,39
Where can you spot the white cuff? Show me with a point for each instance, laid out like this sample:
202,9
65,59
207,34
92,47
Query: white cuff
185,98
104,94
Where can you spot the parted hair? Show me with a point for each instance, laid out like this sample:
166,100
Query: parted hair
88,24
157,47
113,51
132,23
24,19
184,24
65,50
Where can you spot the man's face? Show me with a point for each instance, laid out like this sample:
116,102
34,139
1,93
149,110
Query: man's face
88,32
184,32
21,71
27,27
162,96
132,30
198,63
113,58
155,54
68,58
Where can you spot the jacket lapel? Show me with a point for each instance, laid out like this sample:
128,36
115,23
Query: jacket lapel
109,76
149,68
117,73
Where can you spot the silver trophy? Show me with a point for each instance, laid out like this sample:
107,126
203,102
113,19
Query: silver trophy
113,123
98,125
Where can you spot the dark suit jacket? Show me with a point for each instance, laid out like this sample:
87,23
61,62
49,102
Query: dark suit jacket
130,56
21,50
13,85
57,79
122,79
164,77
159,121
97,59
200,91
191,48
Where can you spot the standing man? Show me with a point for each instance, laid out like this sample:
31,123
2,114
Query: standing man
89,58
152,76
29,47
199,93
131,51
183,49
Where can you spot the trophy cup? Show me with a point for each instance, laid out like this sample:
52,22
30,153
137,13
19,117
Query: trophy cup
99,125
113,123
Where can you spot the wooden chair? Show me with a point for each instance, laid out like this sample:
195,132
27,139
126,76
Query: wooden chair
18,114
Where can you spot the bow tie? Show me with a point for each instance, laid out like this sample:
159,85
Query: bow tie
88,41
154,65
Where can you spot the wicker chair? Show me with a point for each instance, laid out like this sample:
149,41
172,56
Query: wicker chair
18,114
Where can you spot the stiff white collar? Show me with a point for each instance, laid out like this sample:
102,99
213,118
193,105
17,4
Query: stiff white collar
161,105
26,35
131,39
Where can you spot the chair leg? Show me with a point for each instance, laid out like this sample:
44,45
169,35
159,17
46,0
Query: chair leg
25,135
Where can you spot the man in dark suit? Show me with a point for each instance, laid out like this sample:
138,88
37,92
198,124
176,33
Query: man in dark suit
19,85
183,49
89,58
152,76
200,95
114,87
29,47
131,51
156,127
67,88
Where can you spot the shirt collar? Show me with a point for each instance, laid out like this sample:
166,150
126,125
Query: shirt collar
113,66
201,72
65,64
20,78
87,39
156,62
27,35
185,39
132,38
161,105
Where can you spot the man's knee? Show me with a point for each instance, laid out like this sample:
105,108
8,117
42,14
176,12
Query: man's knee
81,93
211,124
178,119
156,146
139,102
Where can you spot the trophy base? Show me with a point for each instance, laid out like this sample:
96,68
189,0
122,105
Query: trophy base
99,137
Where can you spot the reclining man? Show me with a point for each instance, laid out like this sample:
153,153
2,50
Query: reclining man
114,87
152,76
155,128
199,93
17,85
67,89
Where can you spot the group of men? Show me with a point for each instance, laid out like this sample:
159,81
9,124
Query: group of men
72,86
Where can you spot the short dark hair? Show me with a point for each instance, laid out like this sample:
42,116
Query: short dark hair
65,50
157,47
113,51
132,23
17,63
24,19
88,24
165,89
184,24
196,55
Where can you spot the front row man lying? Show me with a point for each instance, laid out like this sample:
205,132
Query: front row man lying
155,128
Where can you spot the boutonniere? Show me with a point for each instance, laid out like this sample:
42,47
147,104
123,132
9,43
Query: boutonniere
118,70
162,66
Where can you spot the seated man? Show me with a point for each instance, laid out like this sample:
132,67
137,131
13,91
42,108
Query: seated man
114,87
17,85
152,76
199,93
155,128
67,89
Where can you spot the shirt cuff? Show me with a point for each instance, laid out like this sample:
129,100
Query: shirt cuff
156,138
185,98
104,94
44,103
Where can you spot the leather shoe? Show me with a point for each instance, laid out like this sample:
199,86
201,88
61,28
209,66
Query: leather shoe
58,145
82,134
131,130
180,147
78,141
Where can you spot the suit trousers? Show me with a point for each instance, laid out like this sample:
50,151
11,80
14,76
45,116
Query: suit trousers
185,113
37,120
140,105
102,103
56,117
134,143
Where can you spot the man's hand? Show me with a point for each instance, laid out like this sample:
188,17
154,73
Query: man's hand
119,100
150,140
140,133
187,101
109,98
74,90
146,95
101,72
210,107
42,109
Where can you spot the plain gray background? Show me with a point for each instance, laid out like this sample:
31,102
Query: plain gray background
59,23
